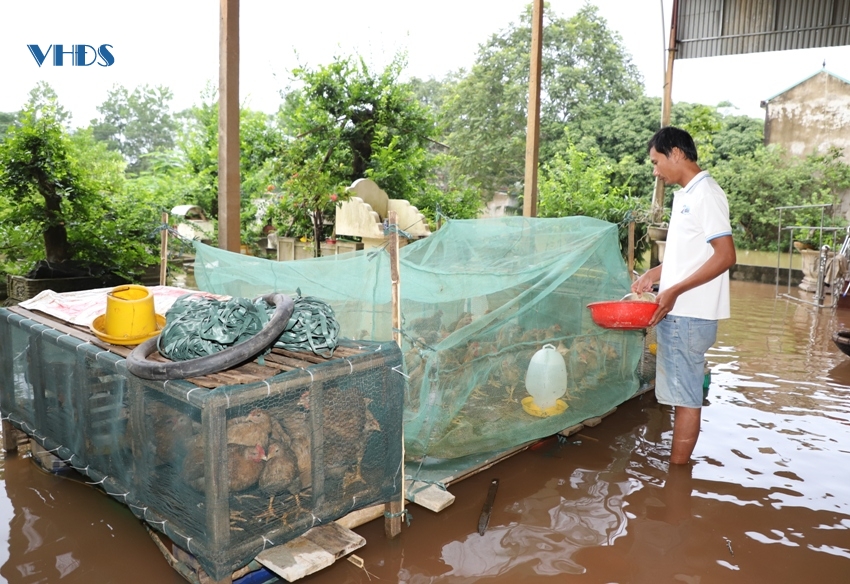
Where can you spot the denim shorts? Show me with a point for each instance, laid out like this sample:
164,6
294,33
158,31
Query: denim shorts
680,360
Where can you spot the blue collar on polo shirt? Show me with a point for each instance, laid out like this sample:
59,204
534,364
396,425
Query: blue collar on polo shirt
694,181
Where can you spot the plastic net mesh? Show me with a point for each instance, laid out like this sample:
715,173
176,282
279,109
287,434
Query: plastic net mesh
225,467
479,298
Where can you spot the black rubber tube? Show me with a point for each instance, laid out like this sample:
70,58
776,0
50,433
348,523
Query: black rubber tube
139,365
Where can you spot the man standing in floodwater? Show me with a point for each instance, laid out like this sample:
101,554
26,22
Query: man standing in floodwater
693,290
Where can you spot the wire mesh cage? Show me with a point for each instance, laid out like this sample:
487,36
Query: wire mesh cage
223,466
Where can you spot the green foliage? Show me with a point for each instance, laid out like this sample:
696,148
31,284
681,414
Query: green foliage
756,184
63,198
40,181
44,96
738,136
344,123
359,121
6,120
311,192
702,122
620,132
136,123
453,200
197,144
584,66
580,183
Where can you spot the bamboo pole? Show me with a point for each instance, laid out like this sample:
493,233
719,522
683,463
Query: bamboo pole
532,135
631,249
163,250
666,108
393,510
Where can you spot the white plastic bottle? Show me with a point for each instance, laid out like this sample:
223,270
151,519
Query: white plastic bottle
546,379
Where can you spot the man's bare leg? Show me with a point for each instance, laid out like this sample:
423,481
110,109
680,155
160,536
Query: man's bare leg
686,423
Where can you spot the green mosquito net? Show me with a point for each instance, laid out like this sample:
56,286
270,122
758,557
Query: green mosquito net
478,299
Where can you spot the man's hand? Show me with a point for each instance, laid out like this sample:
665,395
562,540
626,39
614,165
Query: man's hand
666,301
645,282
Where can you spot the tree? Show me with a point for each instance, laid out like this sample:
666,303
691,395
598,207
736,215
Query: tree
44,96
7,119
261,143
39,179
758,182
345,122
136,124
584,65
582,183
60,196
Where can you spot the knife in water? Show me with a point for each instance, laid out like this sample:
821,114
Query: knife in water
484,519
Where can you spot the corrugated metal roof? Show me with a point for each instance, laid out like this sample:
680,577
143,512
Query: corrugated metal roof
709,28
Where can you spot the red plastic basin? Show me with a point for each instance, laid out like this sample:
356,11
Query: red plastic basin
622,314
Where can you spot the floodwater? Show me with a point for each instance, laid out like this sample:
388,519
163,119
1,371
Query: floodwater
767,498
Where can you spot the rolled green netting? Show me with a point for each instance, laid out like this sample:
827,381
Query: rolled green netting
197,326
312,327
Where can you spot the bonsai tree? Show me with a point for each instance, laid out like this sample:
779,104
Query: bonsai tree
39,179
56,200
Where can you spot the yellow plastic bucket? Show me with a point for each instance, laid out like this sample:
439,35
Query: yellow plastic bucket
130,312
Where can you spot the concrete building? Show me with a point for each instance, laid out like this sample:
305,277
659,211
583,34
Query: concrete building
501,205
811,116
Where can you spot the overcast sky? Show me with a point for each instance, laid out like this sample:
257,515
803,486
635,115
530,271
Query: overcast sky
175,43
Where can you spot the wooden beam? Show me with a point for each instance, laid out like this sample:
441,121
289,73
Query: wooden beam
163,251
394,509
228,127
666,107
532,137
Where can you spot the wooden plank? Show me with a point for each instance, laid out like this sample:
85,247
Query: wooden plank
395,507
487,463
10,436
591,422
335,538
317,549
311,357
46,460
283,360
361,516
428,495
571,430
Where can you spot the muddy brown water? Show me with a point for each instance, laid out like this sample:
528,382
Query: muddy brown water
767,498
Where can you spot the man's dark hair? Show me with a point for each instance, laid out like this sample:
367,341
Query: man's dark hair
665,139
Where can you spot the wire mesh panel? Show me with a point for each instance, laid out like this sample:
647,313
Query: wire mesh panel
245,467
223,467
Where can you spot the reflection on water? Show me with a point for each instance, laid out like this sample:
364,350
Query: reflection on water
766,500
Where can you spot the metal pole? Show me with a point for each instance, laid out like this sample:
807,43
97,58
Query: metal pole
819,294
